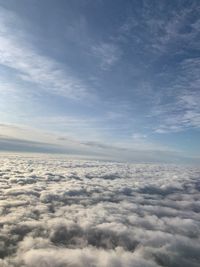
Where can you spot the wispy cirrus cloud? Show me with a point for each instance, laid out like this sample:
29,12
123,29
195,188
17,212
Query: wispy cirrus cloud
107,53
30,66
167,40
164,30
183,111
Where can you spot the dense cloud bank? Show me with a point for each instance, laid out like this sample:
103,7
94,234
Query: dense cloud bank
73,213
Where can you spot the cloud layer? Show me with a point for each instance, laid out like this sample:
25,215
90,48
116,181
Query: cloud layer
57,212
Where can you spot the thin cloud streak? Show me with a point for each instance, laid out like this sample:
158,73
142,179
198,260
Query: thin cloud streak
23,139
46,73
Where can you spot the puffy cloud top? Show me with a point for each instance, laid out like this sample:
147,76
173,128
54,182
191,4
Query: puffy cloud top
56,212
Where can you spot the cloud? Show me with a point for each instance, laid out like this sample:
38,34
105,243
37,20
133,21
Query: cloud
168,38
8,144
97,213
107,53
139,136
17,138
165,30
183,112
31,66
101,145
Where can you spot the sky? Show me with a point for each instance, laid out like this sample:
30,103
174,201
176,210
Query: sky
112,79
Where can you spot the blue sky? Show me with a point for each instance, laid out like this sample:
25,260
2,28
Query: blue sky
101,77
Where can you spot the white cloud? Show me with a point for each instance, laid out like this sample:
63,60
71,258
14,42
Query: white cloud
183,112
97,213
46,73
160,32
107,53
20,138
174,89
138,136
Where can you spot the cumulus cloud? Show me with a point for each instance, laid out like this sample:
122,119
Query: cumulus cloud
57,212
